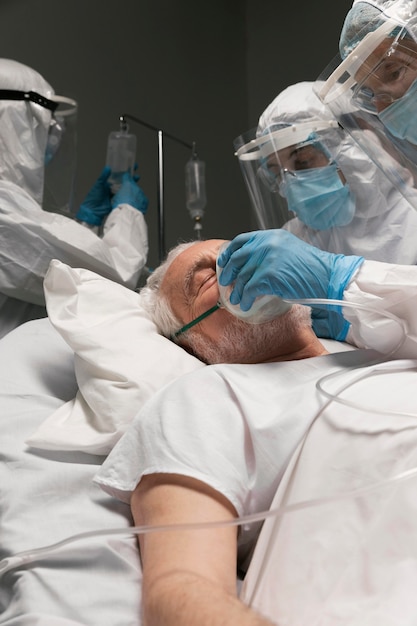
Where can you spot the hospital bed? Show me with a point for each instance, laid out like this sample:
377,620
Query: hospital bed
72,383
67,391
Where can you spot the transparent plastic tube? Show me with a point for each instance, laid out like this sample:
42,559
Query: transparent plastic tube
30,556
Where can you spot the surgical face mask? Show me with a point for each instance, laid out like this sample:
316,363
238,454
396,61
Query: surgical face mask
400,116
318,197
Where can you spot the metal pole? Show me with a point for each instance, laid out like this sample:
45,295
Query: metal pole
161,210
160,190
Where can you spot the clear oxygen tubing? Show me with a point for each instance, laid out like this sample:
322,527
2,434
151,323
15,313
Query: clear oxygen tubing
29,556
402,326
365,371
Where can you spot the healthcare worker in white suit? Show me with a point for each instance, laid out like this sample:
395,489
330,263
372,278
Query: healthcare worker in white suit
307,175
372,84
31,131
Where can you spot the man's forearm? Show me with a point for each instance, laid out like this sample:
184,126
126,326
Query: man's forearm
183,599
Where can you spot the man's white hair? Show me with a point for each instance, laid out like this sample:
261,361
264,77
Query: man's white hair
156,305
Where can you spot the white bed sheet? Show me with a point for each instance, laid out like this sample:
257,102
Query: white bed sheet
48,496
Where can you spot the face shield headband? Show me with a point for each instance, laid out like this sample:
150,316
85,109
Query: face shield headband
29,96
256,152
342,79
270,142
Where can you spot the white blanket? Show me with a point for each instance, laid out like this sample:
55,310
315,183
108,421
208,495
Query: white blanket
47,496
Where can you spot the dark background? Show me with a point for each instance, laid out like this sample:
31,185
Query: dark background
202,71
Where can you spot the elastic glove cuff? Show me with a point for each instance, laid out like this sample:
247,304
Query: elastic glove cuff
330,325
341,275
341,334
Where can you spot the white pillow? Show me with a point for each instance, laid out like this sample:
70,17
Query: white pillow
120,359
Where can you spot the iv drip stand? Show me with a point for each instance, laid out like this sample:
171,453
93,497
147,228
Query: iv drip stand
160,190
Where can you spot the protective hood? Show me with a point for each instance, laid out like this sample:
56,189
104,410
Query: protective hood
298,103
367,15
24,129
367,90
384,225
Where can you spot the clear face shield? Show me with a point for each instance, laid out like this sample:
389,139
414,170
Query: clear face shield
290,170
39,147
60,158
373,95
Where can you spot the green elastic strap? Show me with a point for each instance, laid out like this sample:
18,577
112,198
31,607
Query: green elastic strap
197,320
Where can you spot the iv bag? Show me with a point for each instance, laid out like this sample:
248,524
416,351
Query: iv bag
195,186
121,155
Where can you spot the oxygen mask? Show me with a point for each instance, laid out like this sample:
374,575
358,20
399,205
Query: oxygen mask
264,309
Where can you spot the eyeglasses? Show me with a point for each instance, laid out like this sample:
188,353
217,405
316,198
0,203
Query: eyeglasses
394,73
195,321
372,102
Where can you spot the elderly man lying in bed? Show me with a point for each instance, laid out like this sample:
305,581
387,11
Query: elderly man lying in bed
276,262
214,444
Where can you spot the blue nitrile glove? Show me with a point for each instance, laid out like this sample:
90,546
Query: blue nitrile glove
130,193
96,205
275,262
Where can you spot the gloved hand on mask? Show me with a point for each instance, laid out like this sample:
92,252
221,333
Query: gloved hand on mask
96,205
275,262
130,193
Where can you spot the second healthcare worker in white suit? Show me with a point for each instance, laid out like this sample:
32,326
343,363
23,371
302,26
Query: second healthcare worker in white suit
298,162
310,177
31,236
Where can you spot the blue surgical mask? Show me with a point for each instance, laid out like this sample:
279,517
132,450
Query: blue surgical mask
318,197
400,116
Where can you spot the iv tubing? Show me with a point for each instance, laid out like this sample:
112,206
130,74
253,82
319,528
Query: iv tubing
364,307
362,372
29,556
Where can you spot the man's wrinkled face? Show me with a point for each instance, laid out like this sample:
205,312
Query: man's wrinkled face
191,287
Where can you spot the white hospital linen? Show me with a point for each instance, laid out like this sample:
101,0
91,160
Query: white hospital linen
351,561
233,427
48,496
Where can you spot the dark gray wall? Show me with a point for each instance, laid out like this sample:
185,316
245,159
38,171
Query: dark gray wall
288,42
179,65
203,71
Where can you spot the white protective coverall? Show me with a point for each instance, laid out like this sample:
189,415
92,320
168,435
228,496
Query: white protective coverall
384,226
31,237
